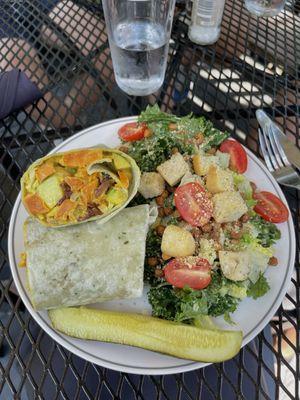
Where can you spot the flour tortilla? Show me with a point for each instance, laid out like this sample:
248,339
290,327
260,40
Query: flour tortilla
86,263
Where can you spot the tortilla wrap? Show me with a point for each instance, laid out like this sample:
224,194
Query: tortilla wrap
86,263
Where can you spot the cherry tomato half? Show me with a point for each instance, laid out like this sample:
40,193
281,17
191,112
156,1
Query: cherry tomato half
270,207
238,156
193,204
194,272
132,131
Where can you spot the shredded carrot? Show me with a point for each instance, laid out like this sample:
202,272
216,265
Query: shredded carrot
35,204
82,173
65,207
43,171
124,179
74,183
88,191
81,158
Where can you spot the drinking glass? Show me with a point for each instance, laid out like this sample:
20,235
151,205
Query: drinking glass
264,8
139,33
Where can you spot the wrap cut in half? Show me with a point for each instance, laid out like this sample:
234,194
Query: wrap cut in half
76,186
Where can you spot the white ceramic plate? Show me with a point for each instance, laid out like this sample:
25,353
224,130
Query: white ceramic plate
251,316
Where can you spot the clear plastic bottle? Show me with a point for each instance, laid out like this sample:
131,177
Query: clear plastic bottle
264,8
205,27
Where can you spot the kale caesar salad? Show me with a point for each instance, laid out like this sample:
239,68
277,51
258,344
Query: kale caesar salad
213,239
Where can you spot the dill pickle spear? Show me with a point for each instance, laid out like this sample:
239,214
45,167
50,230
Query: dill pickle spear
179,340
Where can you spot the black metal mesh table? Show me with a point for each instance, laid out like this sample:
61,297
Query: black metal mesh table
63,47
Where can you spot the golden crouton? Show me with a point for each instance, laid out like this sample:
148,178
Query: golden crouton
201,163
173,169
177,242
151,185
219,180
235,265
228,206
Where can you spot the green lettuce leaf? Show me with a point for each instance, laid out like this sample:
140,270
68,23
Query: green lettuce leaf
267,232
259,288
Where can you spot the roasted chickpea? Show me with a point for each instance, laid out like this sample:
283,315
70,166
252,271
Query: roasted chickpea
160,201
168,210
207,228
236,235
245,218
160,230
273,261
172,126
199,138
152,261
147,133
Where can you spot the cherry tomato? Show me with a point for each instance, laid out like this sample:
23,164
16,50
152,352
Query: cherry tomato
270,207
238,156
193,204
132,131
194,272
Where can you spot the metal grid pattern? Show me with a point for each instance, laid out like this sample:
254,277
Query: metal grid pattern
62,45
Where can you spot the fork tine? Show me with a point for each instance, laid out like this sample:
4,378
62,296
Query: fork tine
273,145
279,147
269,150
264,150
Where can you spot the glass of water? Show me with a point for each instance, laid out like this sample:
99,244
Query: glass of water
139,33
264,8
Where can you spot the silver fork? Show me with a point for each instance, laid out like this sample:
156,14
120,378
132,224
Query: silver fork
275,158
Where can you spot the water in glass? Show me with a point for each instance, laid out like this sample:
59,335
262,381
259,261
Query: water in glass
139,50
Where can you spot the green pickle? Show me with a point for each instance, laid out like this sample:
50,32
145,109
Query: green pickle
179,340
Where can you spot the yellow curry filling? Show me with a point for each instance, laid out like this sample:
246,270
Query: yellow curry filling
77,186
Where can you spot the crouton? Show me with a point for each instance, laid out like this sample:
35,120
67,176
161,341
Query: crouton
235,265
219,180
228,206
201,163
151,185
177,242
173,169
